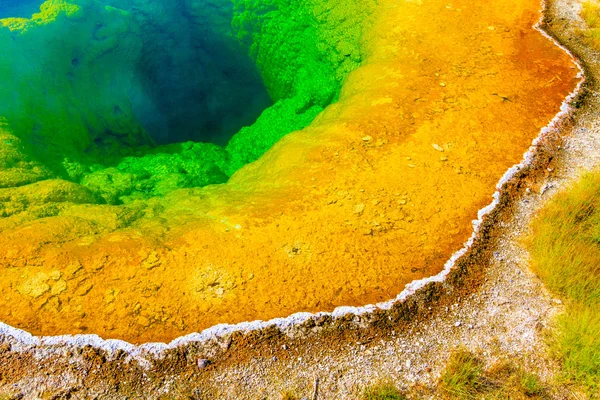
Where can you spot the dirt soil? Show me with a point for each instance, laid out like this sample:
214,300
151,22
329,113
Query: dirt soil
490,304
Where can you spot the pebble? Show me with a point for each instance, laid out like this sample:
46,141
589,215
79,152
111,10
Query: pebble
203,363
457,324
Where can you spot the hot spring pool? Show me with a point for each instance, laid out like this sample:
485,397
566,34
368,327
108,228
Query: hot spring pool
165,167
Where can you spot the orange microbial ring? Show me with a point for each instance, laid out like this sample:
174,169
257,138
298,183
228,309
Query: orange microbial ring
380,189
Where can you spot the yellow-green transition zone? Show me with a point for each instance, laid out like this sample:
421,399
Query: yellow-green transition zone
387,125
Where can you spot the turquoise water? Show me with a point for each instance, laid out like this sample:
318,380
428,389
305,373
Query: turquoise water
134,98
19,8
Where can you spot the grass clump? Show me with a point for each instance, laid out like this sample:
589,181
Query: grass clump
591,14
383,391
565,253
463,377
530,384
466,378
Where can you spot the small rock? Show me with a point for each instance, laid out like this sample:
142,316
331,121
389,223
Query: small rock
203,363
36,286
284,347
457,324
59,288
143,321
55,275
84,289
367,139
359,208
546,187
437,147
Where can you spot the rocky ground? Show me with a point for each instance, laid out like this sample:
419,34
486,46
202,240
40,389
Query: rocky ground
491,305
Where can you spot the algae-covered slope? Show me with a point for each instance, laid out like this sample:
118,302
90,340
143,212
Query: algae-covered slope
305,51
91,87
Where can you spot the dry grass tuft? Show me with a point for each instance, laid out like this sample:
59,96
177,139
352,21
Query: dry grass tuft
591,14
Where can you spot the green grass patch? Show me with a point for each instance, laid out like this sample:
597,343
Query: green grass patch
466,378
565,253
383,391
591,14
463,377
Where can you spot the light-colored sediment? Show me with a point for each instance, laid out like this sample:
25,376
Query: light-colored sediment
501,315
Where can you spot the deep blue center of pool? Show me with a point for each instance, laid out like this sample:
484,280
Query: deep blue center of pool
19,8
